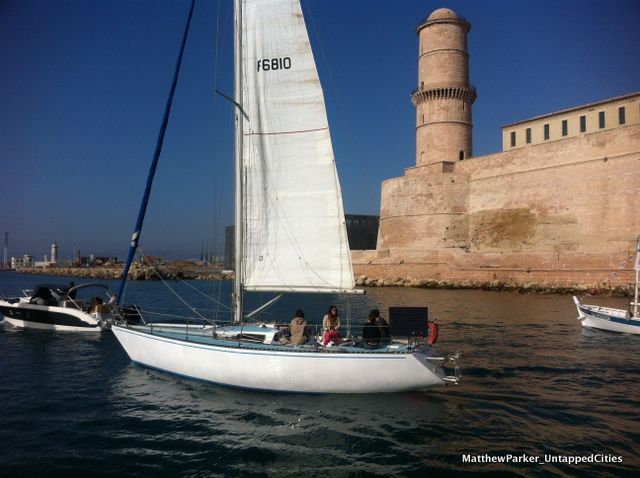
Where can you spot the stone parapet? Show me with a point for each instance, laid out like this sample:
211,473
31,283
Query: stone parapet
421,95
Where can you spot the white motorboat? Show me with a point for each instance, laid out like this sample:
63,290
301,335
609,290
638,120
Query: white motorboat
81,308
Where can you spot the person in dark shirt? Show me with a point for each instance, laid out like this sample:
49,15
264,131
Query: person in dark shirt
43,296
371,333
71,293
383,326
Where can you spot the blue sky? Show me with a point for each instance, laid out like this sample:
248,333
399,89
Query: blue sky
83,86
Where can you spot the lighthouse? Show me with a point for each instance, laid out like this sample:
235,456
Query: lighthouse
54,253
444,95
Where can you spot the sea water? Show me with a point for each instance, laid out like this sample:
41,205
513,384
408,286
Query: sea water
539,396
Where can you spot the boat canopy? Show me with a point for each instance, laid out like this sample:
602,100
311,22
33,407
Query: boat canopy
87,286
66,288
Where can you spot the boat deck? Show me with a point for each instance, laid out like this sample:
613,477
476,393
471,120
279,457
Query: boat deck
222,338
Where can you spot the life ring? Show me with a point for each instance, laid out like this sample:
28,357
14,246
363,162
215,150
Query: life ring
433,333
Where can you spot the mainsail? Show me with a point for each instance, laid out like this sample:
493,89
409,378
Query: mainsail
294,234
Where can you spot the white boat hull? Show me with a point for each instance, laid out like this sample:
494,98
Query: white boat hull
607,318
263,369
24,314
59,328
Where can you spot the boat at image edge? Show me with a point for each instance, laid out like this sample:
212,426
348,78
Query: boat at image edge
292,236
608,318
56,307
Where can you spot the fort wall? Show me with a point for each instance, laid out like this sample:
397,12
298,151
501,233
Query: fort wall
562,214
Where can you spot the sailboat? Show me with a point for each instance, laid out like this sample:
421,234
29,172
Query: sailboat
290,236
608,318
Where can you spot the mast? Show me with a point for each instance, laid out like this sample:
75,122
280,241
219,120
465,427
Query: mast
637,268
135,238
239,124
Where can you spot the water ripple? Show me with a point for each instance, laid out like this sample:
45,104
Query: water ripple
534,384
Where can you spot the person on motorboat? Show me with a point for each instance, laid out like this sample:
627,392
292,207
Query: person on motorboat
96,302
43,296
71,292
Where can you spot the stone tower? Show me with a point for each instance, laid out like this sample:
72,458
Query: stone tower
54,252
444,96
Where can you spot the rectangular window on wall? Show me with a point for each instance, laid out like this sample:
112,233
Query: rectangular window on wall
601,119
546,131
565,128
621,115
583,124
513,139
528,134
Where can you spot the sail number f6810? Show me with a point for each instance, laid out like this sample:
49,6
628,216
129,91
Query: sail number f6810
268,64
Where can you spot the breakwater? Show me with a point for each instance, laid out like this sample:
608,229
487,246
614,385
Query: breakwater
195,272
136,272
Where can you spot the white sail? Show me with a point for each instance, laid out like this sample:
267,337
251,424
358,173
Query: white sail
294,234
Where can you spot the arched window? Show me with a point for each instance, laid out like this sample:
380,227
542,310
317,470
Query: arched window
461,155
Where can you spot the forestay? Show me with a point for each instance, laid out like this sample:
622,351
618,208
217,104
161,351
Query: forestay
294,235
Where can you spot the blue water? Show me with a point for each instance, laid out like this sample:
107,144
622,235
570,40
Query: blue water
534,383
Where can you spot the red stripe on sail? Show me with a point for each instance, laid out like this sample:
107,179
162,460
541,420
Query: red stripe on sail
275,133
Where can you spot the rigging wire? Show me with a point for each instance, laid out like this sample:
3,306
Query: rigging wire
182,281
189,306
212,299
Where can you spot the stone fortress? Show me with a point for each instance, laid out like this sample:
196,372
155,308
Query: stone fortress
557,208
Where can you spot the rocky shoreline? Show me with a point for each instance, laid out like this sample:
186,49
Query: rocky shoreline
136,272
195,272
604,289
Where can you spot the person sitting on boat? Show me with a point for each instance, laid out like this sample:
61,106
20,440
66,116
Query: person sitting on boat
96,302
383,325
371,332
330,326
70,292
43,296
299,329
